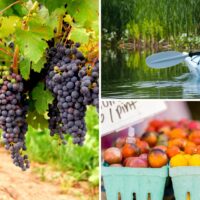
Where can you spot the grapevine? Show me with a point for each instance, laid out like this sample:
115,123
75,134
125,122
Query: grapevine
49,70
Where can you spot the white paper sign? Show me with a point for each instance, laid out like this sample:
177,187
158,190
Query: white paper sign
116,115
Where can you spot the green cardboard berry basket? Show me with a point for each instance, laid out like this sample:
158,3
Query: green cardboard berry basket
138,181
186,180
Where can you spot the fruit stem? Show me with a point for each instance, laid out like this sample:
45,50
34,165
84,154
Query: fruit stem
15,60
33,8
63,38
59,28
6,52
16,2
68,32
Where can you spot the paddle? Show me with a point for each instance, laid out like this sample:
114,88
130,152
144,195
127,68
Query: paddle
167,59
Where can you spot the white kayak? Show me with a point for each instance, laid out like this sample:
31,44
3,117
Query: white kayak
193,64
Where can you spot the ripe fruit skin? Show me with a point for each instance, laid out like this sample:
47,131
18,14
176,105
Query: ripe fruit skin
190,144
120,142
137,162
143,146
179,160
162,140
187,157
161,147
165,130
116,165
112,155
144,156
190,150
198,149
195,137
127,160
172,151
194,160
150,138
194,125
130,150
179,142
155,125
157,158
177,133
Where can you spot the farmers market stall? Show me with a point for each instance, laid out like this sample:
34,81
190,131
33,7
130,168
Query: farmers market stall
160,162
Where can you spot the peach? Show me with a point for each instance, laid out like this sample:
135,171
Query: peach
116,165
130,150
198,149
177,133
157,158
165,130
112,155
195,137
143,146
162,147
137,162
144,156
179,142
127,160
194,125
150,138
172,151
162,140
190,150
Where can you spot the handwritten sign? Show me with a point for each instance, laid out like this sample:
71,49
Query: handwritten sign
116,115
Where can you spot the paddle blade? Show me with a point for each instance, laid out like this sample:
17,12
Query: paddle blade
165,59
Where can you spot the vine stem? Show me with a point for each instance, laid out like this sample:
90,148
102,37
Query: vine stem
25,22
59,28
6,52
68,32
16,2
15,60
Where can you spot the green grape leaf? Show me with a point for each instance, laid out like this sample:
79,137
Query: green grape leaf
52,5
40,29
25,68
31,45
68,19
15,9
37,67
41,24
83,11
8,25
5,3
53,18
79,35
95,27
42,98
36,120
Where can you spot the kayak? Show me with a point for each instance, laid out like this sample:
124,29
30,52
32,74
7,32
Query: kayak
193,64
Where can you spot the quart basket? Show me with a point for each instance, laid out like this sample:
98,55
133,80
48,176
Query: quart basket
186,180
140,182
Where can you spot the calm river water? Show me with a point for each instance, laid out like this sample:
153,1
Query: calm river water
126,75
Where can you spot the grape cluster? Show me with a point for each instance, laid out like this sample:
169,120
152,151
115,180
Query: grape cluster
90,84
13,109
66,114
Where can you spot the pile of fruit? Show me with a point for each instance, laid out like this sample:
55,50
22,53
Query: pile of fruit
166,141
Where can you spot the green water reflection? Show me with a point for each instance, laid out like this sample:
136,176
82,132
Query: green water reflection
126,75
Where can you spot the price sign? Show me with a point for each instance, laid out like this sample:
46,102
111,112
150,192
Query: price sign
116,115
